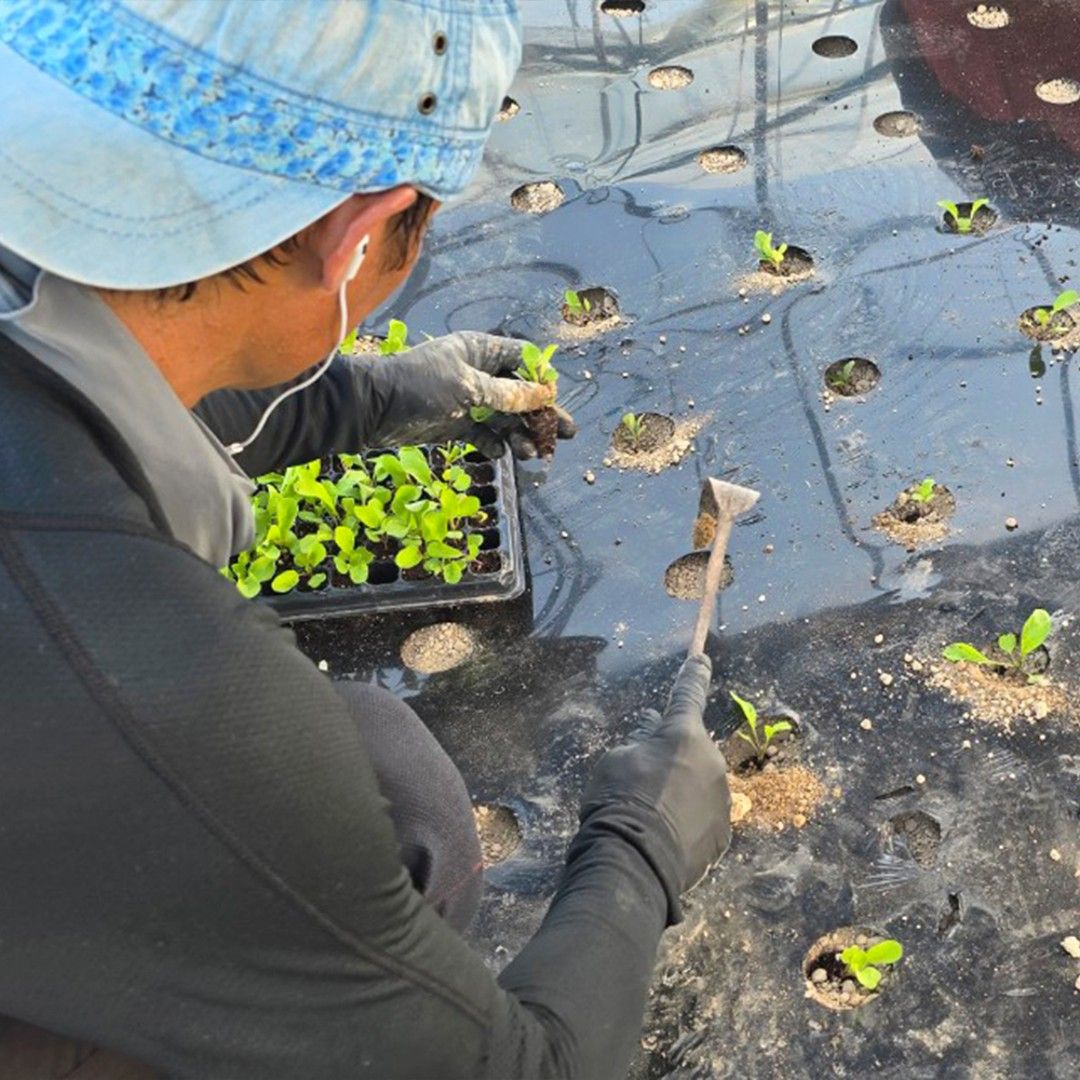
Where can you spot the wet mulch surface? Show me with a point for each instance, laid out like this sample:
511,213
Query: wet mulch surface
909,522
663,455
499,832
440,647
827,979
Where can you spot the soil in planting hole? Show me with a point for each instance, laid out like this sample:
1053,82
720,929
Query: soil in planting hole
602,313
776,796
984,219
663,455
1060,326
899,124
797,265
622,9
999,696
722,160
988,17
538,197
656,431
507,110
685,577
543,425
742,758
671,77
499,832
1058,91
440,647
917,831
827,979
858,379
834,46
910,521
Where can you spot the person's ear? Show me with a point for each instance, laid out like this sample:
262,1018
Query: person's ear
336,236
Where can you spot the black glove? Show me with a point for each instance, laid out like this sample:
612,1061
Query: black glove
424,395
666,791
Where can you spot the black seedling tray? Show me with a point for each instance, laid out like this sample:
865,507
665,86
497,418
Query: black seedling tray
387,590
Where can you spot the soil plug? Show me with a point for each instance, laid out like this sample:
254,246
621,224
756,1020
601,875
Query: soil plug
723,502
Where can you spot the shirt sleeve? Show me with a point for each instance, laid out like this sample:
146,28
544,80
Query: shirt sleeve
210,881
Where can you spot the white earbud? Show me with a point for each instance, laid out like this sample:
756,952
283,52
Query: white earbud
351,271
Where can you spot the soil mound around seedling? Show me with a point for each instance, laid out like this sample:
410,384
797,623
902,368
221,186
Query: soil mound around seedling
672,77
909,522
779,797
684,579
722,160
539,197
1062,329
863,376
797,265
602,314
663,455
436,648
985,219
899,124
998,696
782,750
827,978
499,832
988,17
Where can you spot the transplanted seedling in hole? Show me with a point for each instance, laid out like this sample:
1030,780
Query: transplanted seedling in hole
632,424
843,376
763,243
923,492
962,223
863,964
758,740
1065,300
1015,653
396,338
577,305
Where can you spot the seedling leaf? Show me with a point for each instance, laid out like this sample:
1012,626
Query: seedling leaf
285,582
748,711
1006,643
1036,630
1064,300
869,977
884,952
962,651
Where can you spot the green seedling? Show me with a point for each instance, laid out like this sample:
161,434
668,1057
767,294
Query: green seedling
536,364
963,224
348,346
763,243
923,492
758,740
1064,300
842,377
863,964
577,305
395,341
632,424
1035,631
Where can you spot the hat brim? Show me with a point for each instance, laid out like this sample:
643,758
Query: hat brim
99,201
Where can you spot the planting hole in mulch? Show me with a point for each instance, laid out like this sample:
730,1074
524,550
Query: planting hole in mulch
899,124
440,647
827,978
796,265
776,796
599,312
685,577
1000,696
911,521
1060,326
657,430
834,46
852,376
919,833
539,197
985,218
507,110
622,9
988,17
671,77
722,160
499,832
1058,91
743,759
664,454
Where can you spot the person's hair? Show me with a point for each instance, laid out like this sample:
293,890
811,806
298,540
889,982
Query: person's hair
404,232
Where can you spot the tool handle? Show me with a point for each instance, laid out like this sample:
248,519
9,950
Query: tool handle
713,572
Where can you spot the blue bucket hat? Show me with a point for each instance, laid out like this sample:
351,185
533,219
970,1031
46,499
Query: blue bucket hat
146,143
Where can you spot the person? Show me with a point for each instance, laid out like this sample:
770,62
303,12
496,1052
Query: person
216,862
